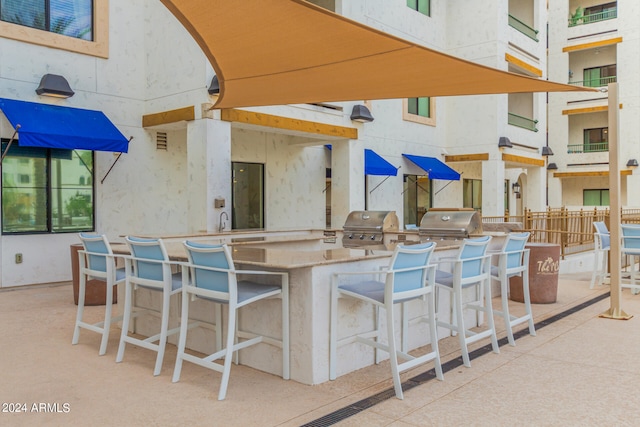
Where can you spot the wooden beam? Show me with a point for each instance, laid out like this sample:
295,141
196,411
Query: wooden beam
523,160
171,116
588,174
586,110
520,63
591,45
279,122
467,158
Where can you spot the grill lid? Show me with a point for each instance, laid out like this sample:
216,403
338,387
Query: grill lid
450,223
363,228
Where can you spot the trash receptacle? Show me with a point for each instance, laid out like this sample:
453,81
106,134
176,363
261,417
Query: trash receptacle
544,264
96,289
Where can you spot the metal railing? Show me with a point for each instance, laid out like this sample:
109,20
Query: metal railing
599,82
572,230
523,28
593,17
522,122
591,147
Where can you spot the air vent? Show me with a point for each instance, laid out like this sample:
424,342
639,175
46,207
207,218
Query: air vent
161,141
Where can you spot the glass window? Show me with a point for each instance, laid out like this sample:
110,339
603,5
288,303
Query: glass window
42,190
73,18
416,198
422,6
599,76
247,196
472,194
595,197
419,106
596,139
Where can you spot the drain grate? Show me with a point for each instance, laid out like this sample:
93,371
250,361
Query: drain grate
354,408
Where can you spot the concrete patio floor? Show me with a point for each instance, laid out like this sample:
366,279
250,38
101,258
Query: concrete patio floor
579,370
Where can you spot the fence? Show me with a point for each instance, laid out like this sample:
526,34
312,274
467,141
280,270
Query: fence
572,230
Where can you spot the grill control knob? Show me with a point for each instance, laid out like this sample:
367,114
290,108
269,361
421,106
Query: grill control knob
350,236
373,237
361,236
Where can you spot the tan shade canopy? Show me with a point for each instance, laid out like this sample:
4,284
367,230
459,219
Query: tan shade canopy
274,52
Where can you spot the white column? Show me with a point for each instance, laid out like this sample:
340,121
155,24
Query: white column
347,180
493,188
209,173
535,192
554,190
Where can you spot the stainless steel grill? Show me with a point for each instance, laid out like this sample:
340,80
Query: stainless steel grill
450,224
366,228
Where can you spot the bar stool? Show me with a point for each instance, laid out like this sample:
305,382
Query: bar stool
211,275
631,248
513,260
602,245
409,276
148,267
97,261
471,269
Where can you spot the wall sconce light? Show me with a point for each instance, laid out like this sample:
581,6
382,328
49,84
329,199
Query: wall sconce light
547,151
504,142
552,166
54,85
516,188
632,162
214,88
361,114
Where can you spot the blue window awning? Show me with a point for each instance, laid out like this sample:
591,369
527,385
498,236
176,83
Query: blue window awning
434,167
374,164
53,126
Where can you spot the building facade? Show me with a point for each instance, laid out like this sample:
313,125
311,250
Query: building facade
193,169
593,43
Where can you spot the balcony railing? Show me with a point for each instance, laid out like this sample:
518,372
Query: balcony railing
602,81
592,147
593,17
523,122
523,28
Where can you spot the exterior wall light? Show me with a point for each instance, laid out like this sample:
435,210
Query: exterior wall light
504,142
552,166
54,85
361,114
516,188
214,88
547,151
632,162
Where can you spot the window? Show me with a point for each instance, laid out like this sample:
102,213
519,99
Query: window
599,76
80,26
417,198
422,6
419,110
601,8
472,194
595,197
66,17
42,195
596,140
247,195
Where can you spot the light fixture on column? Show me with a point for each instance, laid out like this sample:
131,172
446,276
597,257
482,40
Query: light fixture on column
516,188
214,88
361,114
504,142
552,166
547,151
54,85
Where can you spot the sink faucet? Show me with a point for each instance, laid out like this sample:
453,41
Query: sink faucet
222,224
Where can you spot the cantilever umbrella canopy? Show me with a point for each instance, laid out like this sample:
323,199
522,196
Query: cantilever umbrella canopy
274,52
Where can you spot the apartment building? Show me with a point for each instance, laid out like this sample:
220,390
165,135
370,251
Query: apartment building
188,168
593,43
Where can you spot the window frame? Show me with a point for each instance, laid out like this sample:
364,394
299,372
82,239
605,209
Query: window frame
234,202
416,118
475,185
602,191
98,47
49,188
587,143
415,5
407,216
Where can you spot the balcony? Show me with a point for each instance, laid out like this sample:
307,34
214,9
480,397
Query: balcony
578,19
592,147
596,82
523,28
523,122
